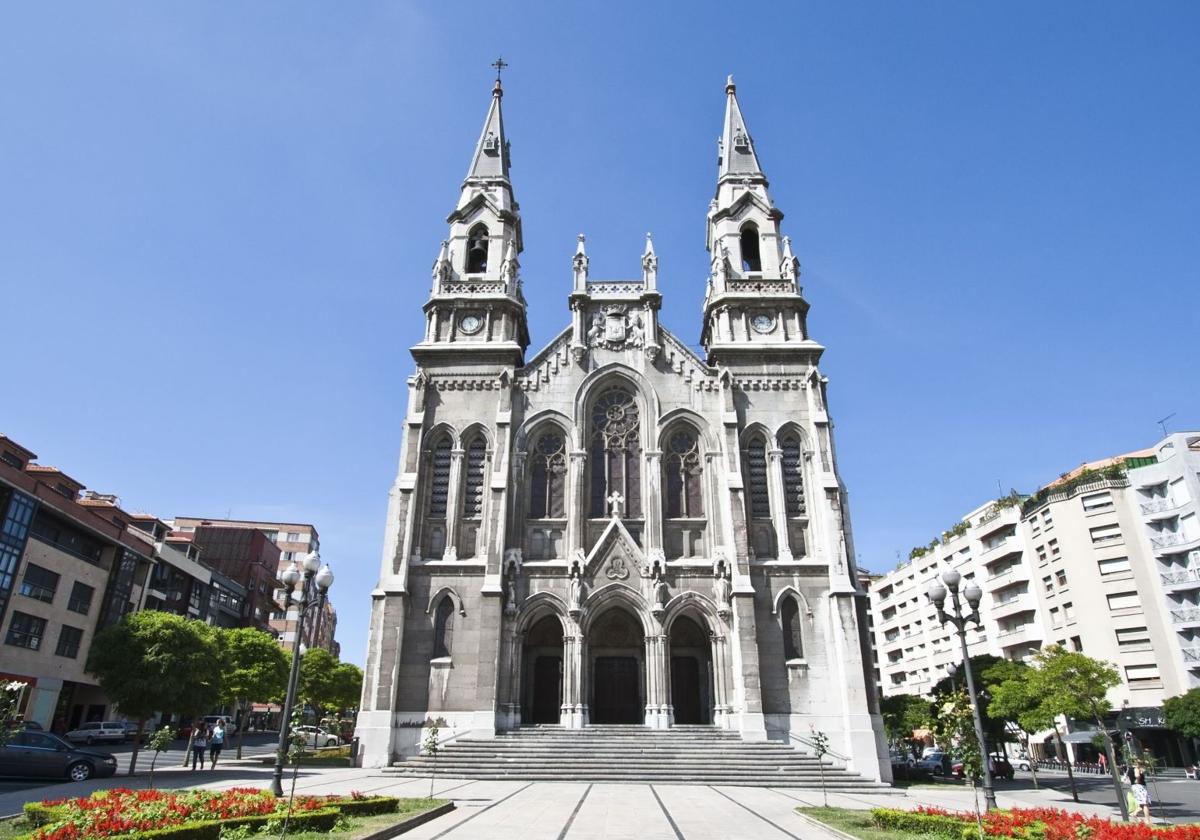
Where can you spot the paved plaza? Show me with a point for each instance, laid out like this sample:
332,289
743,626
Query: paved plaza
517,810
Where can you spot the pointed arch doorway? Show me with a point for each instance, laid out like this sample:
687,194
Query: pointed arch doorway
691,673
617,654
541,699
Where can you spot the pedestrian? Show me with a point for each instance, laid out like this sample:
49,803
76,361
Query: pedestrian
1141,793
1103,762
199,744
215,742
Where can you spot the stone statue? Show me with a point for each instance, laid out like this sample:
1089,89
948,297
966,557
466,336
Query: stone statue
510,608
662,593
721,592
635,337
575,598
595,335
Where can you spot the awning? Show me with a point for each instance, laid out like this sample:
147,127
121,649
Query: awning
1084,736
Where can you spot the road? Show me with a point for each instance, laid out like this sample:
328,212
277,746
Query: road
255,745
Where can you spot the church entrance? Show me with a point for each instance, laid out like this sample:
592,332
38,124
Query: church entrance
617,653
543,656
691,673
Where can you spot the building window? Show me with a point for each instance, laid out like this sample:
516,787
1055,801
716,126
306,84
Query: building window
1123,600
751,260
26,631
443,628
68,641
1060,577
683,471
1114,566
440,490
793,475
756,467
477,250
473,480
52,530
548,473
1142,676
1105,534
793,640
1096,502
1133,638
615,454
81,598
39,583
292,536
1054,549
11,459
1048,584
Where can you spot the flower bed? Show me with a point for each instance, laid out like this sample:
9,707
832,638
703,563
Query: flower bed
189,814
1024,824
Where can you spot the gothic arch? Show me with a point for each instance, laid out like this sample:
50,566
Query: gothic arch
448,592
614,408
538,606
480,429
535,424
613,596
600,379
696,606
797,594
434,434
685,416
756,429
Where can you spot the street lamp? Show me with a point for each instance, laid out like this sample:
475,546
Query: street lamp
310,571
936,593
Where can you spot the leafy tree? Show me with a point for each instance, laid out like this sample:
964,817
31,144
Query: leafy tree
820,745
347,686
318,681
954,725
902,713
1014,699
1183,713
994,729
153,661
160,741
10,705
253,667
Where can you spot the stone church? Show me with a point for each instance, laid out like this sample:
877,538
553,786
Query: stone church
614,529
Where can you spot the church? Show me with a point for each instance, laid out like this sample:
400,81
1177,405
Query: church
614,529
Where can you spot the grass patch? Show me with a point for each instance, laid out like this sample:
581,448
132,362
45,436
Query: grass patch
364,826
17,827
857,823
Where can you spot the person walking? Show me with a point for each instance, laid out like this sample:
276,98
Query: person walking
215,742
199,744
1102,761
1141,793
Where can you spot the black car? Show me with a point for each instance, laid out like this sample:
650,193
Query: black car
40,754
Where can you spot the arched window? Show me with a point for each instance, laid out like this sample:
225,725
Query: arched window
548,474
793,639
793,475
682,472
756,479
615,454
751,261
473,479
439,489
477,250
443,627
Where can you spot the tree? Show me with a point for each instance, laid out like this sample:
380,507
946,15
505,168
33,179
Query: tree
253,667
347,686
902,713
954,725
1013,699
160,741
155,661
317,682
994,730
1183,713
10,709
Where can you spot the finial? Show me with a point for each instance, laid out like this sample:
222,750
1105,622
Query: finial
730,87
579,248
499,64
649,244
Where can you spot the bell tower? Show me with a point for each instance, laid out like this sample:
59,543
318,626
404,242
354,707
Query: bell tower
476,309
753,306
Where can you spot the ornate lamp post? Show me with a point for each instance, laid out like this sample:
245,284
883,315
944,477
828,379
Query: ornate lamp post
314,575
972,594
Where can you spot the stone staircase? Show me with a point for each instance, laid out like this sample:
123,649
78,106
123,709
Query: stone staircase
631,754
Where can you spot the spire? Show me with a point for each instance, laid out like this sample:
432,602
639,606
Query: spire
649,266
735,155
579,266
490,162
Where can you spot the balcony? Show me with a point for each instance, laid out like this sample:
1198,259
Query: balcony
1181,579
1173,542
1022,635
1159,508
1186,615
1191,656
1013,606
1005,547
1015,573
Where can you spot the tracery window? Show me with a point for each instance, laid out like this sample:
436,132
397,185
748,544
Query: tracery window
756,479
793,476
751,258
548,473
615,453
477,250
683,468
473,480
439,488
793,640
443,627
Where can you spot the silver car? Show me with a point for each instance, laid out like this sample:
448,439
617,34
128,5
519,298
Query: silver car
98,732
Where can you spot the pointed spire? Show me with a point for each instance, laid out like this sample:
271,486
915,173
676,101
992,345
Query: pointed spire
789,267
736,155
580,266
649,265
491,159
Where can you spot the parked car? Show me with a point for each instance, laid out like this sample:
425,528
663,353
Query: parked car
315,736
131,730
903,771
932,763
98,732
30,726
211,721
40,754
1000,767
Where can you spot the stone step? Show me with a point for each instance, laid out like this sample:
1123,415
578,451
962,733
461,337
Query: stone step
780,781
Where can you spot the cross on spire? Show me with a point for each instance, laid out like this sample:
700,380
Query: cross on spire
499,64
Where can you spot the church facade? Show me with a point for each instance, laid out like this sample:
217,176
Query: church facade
616,530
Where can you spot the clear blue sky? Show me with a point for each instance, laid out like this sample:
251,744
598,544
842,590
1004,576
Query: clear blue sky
217,222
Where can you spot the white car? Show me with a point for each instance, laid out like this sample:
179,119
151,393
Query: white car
99,732
315,736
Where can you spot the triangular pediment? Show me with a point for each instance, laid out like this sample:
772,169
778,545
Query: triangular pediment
744,202
615,557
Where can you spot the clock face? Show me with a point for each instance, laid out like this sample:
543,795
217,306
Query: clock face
762,322
471,324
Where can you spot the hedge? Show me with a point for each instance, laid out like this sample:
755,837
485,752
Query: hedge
936,825
369,807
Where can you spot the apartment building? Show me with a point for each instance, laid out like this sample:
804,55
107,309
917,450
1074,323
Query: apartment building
293,539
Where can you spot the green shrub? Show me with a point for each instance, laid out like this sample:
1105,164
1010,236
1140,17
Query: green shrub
935,825
369,807
38,814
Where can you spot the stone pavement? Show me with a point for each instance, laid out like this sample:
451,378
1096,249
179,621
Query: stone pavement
516,810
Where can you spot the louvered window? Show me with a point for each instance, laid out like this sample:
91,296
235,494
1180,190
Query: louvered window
756,465
793,476
440,485
473,484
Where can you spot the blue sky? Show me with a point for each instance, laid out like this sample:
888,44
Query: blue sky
217,222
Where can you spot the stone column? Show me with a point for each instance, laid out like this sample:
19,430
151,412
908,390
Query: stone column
454,491
748,716
783,548
508,694
577,513
652,504
375,725
721,697
658,705
573,712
